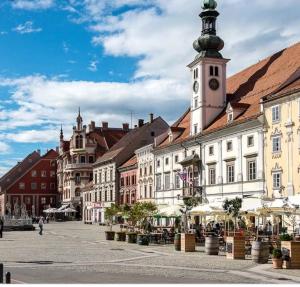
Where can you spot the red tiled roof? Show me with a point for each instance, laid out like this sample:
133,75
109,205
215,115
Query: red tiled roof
131,162
249,86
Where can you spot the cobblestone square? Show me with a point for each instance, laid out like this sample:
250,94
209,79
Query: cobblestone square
72,252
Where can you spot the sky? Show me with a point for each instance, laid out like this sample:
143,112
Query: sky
113,58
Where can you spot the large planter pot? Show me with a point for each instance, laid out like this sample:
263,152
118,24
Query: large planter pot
188,242
277,263
212,245
177,242
292,249
143,239
110,235
235,247
260,252
121,236
132,237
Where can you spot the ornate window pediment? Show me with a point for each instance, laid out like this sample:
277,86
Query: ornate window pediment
276,133
277,168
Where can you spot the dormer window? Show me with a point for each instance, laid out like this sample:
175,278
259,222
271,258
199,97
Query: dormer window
230,117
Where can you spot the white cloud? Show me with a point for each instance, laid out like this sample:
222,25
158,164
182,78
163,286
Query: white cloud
33,136
27,28
32,4
93,67
4,148
99,101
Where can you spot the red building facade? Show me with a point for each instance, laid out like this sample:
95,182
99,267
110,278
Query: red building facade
32,183
128,182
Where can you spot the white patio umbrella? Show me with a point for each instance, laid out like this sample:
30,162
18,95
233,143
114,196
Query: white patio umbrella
171,211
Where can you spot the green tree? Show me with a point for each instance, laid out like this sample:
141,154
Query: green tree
232,207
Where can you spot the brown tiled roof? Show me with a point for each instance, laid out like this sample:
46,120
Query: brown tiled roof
136,138
249,86
240,106
131,162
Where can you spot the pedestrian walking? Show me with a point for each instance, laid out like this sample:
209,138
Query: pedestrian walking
41,224
1,227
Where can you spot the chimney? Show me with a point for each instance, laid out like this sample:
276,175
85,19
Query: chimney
141,122
93,125
57,149
105,125
126,127
151,117
39,151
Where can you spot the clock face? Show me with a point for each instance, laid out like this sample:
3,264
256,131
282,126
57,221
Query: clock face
196,87
214,84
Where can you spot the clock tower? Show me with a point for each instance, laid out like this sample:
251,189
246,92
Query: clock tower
208,72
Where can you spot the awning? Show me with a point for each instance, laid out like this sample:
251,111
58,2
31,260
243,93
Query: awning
63,207
170,211
206,209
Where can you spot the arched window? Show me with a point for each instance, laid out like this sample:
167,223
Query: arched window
79,141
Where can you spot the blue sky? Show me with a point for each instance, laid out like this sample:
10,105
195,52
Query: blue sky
115,56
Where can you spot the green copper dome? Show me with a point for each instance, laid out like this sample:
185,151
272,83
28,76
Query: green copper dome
209,4
209,44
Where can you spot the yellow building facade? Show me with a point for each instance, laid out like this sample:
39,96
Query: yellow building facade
282,141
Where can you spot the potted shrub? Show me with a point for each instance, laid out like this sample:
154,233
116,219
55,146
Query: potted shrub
110,213
286,262
138,215
188,240
291,248
277,258
235,245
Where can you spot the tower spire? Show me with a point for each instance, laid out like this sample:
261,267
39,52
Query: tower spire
79,120
209,45
61,133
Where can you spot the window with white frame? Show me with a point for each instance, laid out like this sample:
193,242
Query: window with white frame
212,175
195,128
43,185
177,180
158,182
211,150
277,180
276,144
176,158
167,161
276,114
158,163
167,181
229,146
230,172
21,185
250,141
251,169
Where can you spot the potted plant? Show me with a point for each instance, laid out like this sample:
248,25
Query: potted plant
291,248
188,240
121,235
235,245
110,213
277,258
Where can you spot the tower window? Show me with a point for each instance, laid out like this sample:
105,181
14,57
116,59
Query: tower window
196,73
196,103
217,71
195,128
214,71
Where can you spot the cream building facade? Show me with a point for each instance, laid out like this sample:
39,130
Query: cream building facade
282,141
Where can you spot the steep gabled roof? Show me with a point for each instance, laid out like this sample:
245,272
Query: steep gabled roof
137,137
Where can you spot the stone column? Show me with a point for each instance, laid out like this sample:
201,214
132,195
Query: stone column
220,163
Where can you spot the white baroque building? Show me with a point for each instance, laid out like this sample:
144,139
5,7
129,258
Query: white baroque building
216,148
